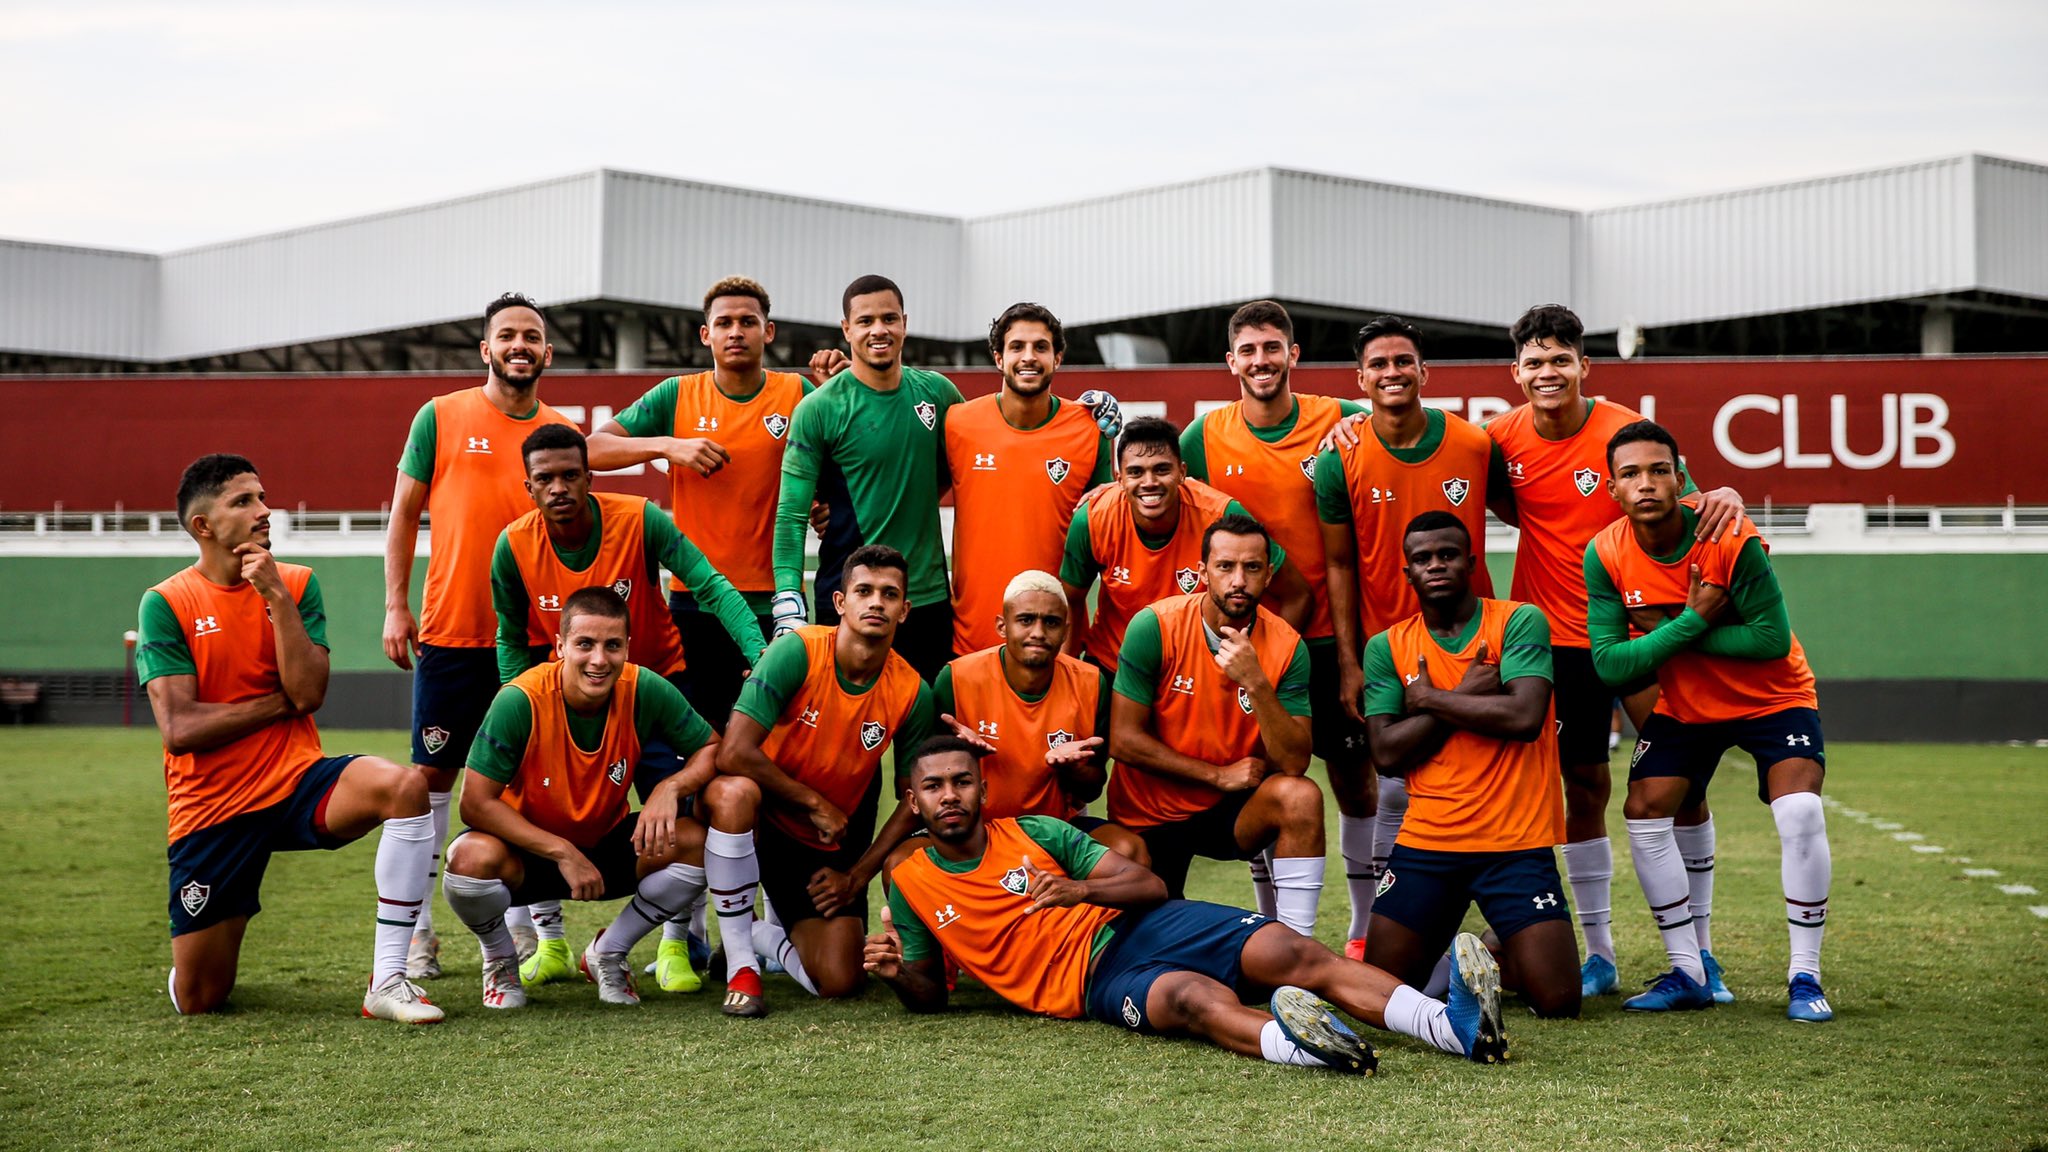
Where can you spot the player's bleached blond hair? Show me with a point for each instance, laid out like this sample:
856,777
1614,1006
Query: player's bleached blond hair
1033,580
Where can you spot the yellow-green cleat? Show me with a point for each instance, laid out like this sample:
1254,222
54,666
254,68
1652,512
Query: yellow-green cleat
672,969
550,962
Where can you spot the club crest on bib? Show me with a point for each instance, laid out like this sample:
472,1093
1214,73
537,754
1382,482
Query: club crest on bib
1586,479
624,588
1308,467
1244,699
872,734
776,423
1058,737
1188,579
434,739
1455,490
1014,881
1057,469
617,771
927,413
192,897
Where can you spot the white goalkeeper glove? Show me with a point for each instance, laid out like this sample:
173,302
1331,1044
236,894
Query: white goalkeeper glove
789,611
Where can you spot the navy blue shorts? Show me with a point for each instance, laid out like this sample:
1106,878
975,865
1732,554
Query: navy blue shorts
1670,747
1338,738
1427,892
452,688
711,682
216,872
1177,936
612,856
1584,704
1210,833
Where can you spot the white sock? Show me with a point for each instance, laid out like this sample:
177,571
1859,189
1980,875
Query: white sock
697,926
1807,869
405,862
1589,869
481,904
1386,823
770,940
437,807
1262,883
1696,848
733,871
1278,1049
662,894
547,920
687,923
1297,886
519,916
1354,843
1412,1014
1661,871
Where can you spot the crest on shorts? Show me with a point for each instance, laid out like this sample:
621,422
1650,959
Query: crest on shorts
1455,490
1308,467
1132,1016
1188,579
1386,882
1057,469
1058,737
1014,881
617,771
1587,479
624,588
1636,756
192,897
1244,699
872,734
434,739
776,423
927,413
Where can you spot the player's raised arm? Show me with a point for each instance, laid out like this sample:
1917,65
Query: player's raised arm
1283,733
919,983
1482,703
1401,740
793,515
298,627
1618,659
646,432
1764,631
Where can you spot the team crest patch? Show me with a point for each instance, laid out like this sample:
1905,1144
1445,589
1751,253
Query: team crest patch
776,423
1386,882
1244,700
872,734
434,739
617,771
1455,490
1057,469
624,588
192,897
1014,881
927,413
1587,479
1636,756
1308,467
1188,579
1132,1016
1056,738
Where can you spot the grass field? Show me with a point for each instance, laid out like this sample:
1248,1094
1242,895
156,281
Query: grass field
1940,1039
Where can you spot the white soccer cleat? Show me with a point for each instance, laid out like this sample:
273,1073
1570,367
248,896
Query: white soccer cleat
525,941
423,957
612,974
398,998
502,988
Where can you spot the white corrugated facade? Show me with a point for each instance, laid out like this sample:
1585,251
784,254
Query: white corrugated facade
1961,224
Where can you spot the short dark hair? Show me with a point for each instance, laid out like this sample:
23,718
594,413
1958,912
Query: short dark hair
1234,524
205,477
1553,322
549,436
1380,326
1641,432
596,600
511,300
867,285
1025,312
737,286
1260,314
943,745
1149,431
1437,520
874,556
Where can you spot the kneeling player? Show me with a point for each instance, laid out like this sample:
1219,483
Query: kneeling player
547,801
1056,924
1457,699
1730,674
233,651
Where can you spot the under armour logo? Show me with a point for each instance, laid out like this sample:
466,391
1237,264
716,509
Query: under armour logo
985,728
1798,741
984,461
1515,470
1382,495
1813,914
1634,599
1547,900
1233,470
944,916
1118,575
707,423
479,444
1184,684
205,625
550,603
1254,918
808,716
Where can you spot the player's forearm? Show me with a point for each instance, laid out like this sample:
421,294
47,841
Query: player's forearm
1138,748
713,591
1286,737
917,991
1399,746
1289,598
697,771
515,658
302,666
792,520
739,758
198,727
1620,661
610,450
1130,888
1082,780
1341,589
901,823
1077,620
1765,632
1513,714
485,810
401,539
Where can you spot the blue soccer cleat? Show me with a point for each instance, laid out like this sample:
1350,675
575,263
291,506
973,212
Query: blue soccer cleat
1473,1002
1809,1004
1316,1029
1674,991
1597,977
1716,987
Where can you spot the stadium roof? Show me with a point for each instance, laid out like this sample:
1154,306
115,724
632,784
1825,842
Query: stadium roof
1966,232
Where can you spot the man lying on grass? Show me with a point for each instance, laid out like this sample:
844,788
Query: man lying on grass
1057,924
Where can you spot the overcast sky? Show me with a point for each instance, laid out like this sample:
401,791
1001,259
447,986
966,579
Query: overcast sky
164,125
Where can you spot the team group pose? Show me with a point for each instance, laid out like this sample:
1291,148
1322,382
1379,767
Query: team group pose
1172,622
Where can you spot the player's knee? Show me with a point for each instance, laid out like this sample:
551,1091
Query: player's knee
476,855
1125,843
200,993
1559,1001
1300,801
839,983
405,793
732,798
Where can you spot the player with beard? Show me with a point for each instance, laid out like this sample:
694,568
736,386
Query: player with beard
461,467
1058,925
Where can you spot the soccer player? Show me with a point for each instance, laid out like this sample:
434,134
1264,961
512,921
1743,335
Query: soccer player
1458,700
1730,674
1020,461
574,538
1210,729
1057,924
793,807
1044,715
548,800
462,467
1143,536
722,434
233,652
1555,451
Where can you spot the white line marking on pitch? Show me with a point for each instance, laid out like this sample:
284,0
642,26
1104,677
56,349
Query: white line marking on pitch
1887,825
1929,848
2040,910
2018,889
1904,837
1980,873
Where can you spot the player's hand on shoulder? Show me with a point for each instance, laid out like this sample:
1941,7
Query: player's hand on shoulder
1238,659
401,635
1482,676
831,890
827,363
259,568
1709,600
1719,511
1343,434
821,517
584,880
1051,890
1241,776
1108,414
882,954
699,454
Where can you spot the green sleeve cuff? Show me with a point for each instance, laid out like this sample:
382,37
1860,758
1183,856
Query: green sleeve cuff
775,681
1194,450
418,458
501,740
917,940
1525,645
160,648
1077,562
313,610
653,414
1293,686
1333,492
1385,692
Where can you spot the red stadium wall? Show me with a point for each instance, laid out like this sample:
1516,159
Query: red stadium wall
1935,431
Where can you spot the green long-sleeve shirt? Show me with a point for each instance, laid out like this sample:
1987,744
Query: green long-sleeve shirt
1763,633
